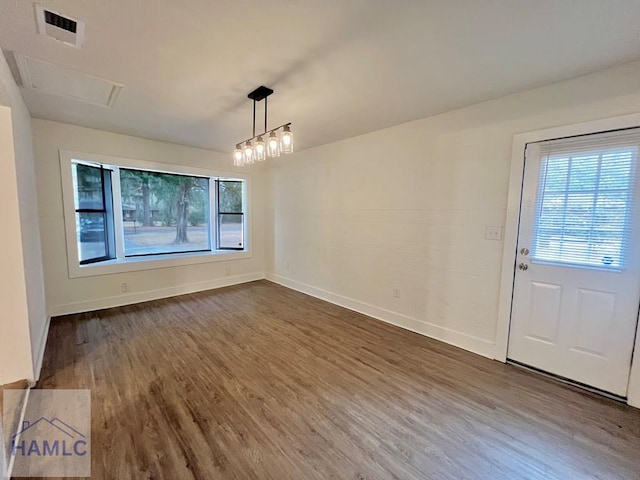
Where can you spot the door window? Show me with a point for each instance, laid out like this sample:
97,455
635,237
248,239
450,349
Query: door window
583,207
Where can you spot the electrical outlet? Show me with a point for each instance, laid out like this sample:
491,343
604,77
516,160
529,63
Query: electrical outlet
396,292
124,287
493,233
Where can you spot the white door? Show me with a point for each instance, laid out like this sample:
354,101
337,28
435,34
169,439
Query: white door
577,288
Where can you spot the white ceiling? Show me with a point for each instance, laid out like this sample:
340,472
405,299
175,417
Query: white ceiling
339,68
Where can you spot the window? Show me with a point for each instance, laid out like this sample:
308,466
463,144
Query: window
127,214
94,213
164,212
230,216
584,201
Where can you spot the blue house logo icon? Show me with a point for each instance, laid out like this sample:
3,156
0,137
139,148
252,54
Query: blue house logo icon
48,438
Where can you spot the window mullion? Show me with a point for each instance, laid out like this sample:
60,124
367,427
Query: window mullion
217,219
213,213
117,212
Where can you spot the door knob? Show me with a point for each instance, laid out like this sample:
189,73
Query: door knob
524,251
523,266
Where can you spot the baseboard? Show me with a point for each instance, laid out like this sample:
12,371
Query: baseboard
452,337
41,348
137,297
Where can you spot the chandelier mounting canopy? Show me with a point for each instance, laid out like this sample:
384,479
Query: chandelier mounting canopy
260,93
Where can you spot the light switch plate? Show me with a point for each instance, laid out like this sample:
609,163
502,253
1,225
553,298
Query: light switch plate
493,233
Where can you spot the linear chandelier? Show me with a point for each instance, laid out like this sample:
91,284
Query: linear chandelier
255,149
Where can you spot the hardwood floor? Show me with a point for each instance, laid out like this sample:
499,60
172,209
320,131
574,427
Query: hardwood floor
259,381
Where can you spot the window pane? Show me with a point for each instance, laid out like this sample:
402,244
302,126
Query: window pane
616,169
579,212
584,173
548,245
91,236
231,231
552,209
164,212
230,200
556,174
88,187
610,211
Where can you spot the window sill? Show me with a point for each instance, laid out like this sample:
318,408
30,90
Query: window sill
136,264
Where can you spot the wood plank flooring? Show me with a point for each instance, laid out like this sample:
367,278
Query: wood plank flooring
261,382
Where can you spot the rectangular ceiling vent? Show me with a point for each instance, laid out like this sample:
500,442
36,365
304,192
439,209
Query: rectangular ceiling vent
60,27
61,22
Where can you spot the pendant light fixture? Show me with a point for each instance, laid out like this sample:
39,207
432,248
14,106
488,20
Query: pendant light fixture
286,140
256,149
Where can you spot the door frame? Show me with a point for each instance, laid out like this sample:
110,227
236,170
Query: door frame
512,223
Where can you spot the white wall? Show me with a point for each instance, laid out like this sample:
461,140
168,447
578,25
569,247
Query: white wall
66,295
406,208
20,177
15,347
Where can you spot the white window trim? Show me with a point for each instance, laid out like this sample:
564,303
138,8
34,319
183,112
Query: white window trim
133,264
509,254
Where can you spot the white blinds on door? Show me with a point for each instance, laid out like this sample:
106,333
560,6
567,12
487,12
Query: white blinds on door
584,199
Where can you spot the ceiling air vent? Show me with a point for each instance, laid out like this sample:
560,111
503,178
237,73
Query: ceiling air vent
60,27
59,21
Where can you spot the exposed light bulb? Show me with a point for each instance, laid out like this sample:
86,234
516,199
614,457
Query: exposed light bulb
248,153
260,150
238,157
273,146
286,140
